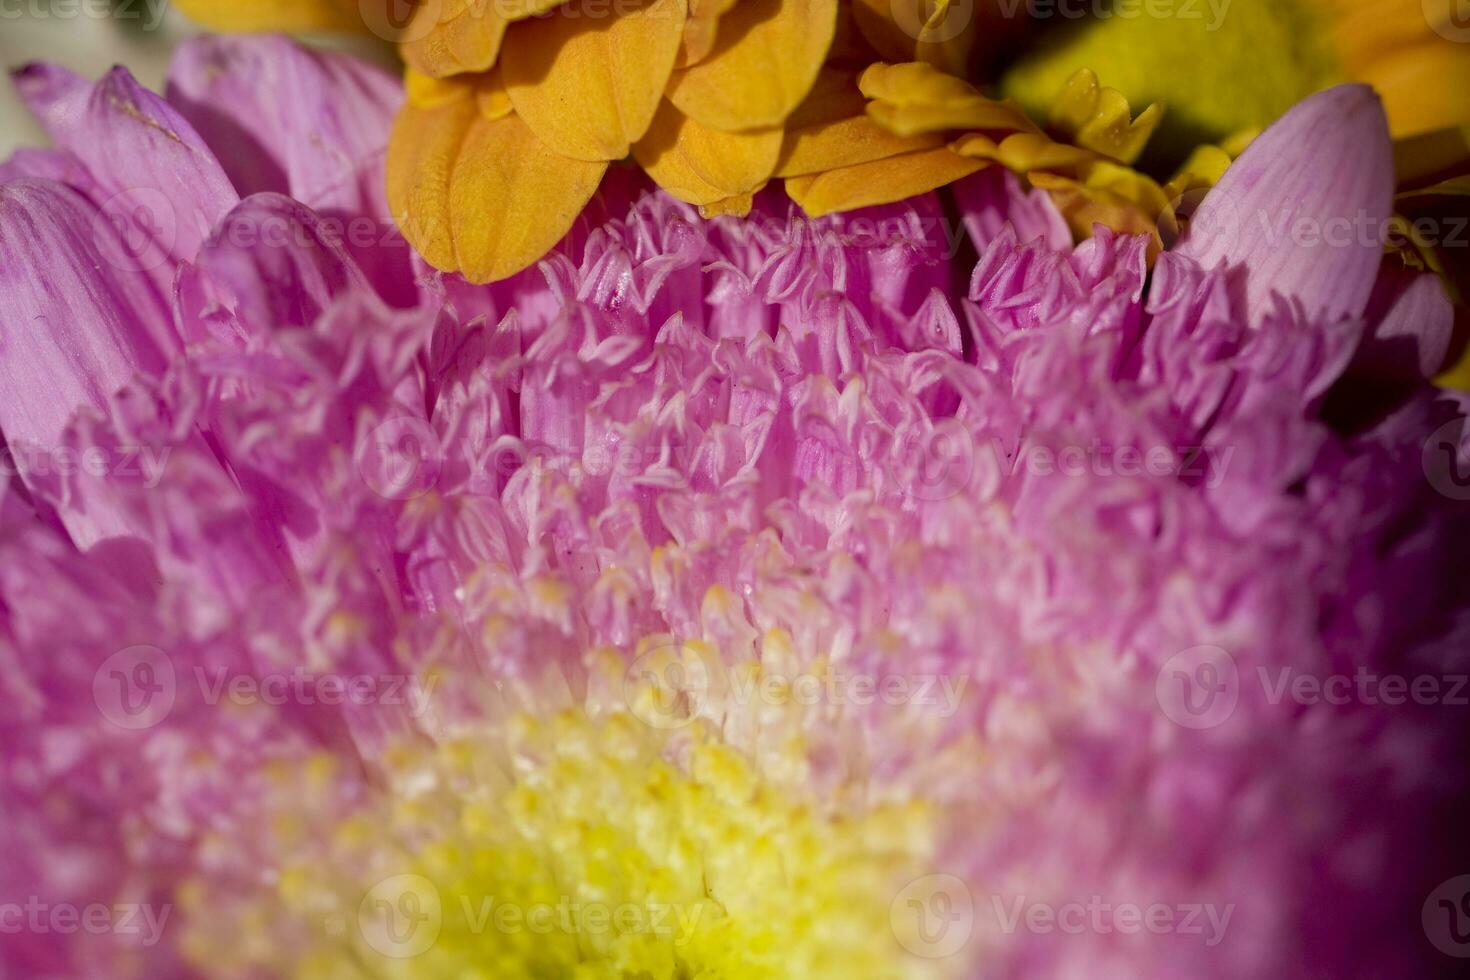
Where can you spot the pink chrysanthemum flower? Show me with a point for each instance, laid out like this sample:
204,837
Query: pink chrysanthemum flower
721,599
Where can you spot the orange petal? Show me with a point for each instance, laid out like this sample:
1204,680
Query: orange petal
917,98
491,96
511,199
589,86
705,166
879,182
421,154
736,207
831,130
455,36
1423,87
763,65
1025,152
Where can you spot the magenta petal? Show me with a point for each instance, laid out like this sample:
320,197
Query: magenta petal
1303,213
140,151
74,326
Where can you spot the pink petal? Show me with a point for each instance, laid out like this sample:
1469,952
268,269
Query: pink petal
74,326
992,198
286,118
272,264
1303,213
137,147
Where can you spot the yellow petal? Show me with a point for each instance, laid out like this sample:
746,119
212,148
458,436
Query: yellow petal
455,36
879,182
491,96
705,166
1025,152
763,65
701,29
1099,118
917,98
421,154
589,86
511,199
274,15
426,91
481,195
831,130
736,207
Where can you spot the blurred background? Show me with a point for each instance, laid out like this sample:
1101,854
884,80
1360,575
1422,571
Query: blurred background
87,36
90,36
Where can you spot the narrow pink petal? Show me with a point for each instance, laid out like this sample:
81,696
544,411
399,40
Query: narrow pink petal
1303,213
993,197
136,147
75,326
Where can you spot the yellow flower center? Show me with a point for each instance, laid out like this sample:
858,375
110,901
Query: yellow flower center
620,838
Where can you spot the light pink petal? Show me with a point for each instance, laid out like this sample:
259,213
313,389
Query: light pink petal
137,148
74,326
1302,214
286,118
